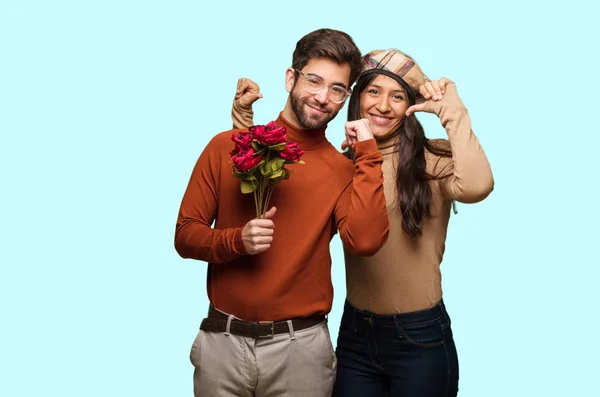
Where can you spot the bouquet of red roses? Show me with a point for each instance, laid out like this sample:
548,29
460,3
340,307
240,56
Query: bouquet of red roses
259,160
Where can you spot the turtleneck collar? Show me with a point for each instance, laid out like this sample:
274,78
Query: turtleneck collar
387,145
307,139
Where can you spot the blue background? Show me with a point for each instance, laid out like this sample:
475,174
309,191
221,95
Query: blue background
106,105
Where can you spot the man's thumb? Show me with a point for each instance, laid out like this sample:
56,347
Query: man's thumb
270,213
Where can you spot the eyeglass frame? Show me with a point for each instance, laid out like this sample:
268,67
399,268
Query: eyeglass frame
347,92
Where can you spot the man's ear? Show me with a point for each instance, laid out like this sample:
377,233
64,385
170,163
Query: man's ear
289,79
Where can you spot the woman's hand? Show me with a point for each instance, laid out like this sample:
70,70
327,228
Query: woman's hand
247,93
449,97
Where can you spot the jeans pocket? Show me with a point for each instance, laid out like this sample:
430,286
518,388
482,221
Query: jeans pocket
426,334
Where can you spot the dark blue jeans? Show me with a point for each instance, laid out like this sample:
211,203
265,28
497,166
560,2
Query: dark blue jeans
407,355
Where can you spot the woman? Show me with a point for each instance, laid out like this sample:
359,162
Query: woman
395,337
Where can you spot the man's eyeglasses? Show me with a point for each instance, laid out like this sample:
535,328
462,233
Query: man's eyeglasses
315,84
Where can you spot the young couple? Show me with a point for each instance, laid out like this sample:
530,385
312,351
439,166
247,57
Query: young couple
389,196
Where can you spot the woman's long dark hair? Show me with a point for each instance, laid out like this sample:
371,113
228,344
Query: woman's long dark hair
412,183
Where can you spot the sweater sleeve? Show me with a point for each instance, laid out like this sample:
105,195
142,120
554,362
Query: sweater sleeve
241,116
360,213
194,237
470,176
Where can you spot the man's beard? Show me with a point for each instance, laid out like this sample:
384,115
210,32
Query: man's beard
307,121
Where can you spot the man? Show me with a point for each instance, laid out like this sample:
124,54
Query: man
269,280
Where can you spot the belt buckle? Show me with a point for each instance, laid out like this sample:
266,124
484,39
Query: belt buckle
261,323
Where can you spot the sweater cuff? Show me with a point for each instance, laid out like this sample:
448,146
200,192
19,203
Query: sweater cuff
241,116
365,148
238,242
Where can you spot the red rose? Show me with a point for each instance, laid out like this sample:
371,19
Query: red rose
257,129
272,126
270,134
244,160
292,152
242,141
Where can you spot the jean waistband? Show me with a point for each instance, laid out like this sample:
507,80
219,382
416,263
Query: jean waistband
420,316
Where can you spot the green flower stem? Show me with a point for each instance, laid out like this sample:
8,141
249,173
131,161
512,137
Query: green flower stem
263,184
269,193
261,193
256,197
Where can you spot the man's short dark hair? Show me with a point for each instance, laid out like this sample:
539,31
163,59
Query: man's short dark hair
330,44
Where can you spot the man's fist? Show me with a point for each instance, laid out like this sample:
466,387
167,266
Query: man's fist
258,233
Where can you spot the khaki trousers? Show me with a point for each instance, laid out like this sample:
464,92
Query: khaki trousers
298,364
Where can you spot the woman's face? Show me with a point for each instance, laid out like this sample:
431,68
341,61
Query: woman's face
383,102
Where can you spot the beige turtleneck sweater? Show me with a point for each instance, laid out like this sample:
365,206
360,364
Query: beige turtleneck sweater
404,275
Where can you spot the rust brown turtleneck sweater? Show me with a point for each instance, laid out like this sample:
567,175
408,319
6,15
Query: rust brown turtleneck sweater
293,277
